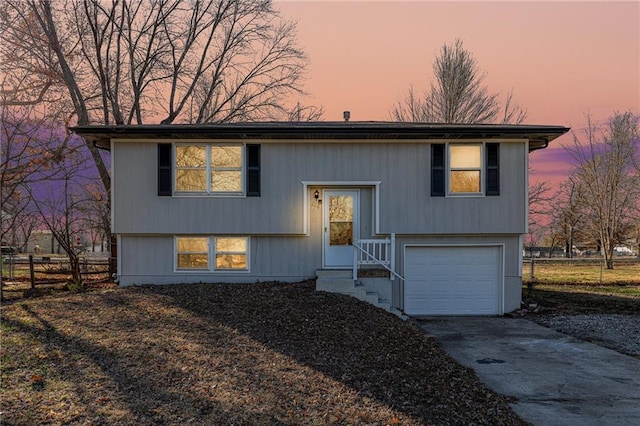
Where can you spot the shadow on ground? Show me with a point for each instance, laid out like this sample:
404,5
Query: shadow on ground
230,354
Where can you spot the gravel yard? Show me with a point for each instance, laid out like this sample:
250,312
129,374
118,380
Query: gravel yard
614,331
607,315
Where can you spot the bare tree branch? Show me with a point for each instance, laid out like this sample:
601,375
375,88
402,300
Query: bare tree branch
608,182
132,62
457,94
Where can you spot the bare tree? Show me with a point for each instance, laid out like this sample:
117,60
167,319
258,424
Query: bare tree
300,112
167,61
96,214
637,238
27,154
538,200
154,61
566,216
534,238
60,203
458,94
512,113
606,169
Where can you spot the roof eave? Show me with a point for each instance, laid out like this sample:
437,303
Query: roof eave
538,136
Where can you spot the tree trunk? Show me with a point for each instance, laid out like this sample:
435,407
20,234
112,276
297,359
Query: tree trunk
45,17
610,263
74,263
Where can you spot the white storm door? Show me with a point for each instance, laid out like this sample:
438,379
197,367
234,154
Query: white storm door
340,225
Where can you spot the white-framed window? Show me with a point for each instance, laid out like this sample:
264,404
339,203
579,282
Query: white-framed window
209,168
212,253
465,169
192,253
231,253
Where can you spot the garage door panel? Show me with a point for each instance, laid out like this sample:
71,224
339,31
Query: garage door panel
452,280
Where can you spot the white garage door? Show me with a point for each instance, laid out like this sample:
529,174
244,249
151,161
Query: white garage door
453,280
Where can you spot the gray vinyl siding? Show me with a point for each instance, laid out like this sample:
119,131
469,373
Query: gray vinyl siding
512,252
405,204
151,259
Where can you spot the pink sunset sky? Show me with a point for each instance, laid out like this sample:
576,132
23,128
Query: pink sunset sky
562,59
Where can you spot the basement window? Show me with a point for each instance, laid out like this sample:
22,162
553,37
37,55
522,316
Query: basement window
231,253
192,253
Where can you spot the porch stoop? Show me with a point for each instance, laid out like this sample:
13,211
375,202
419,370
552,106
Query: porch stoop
341,281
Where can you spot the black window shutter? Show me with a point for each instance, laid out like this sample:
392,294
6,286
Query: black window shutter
164,169
437,170
253,170
493,169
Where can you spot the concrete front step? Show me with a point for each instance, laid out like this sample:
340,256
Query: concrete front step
335,285
341,281
334,273
384,304
371,297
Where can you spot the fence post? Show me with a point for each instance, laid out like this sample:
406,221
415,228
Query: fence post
601,267
31,274
11,266
531,273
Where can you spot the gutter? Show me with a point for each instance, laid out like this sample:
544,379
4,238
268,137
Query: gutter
545,144
95,144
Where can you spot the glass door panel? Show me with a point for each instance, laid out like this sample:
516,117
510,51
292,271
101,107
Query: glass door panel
340,227
340,220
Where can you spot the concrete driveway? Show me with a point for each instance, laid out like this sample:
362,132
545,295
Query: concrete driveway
557,379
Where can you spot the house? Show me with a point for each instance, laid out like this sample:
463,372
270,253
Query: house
442,207
42,241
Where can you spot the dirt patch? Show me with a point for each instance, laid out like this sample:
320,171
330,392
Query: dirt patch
264,353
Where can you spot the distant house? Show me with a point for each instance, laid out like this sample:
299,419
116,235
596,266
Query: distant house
442,207
42,241
623,251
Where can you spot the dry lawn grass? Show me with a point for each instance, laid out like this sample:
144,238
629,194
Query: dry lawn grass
582,273
581,299
229,354
573,288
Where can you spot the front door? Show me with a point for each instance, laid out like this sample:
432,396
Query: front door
340,226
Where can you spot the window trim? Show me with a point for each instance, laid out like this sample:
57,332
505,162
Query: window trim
177,254
177,168
215,253
210,169
481,169
211,256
